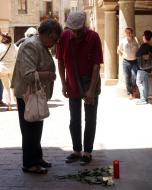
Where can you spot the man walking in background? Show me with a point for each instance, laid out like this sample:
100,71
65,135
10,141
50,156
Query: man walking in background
127,49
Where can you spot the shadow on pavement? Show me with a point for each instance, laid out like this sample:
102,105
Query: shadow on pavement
5,108
55,103
51,104
135,170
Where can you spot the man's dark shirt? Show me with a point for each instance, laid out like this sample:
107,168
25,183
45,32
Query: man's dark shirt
144,49
85,53
145,64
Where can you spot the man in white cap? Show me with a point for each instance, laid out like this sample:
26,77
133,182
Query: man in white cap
79,55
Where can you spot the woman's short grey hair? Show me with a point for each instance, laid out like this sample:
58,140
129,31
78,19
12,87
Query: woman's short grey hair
50,26
30,32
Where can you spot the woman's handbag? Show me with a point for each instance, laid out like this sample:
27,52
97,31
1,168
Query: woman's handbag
36,108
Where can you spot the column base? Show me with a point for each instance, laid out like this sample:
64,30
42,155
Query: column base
110,82
120,89
121,92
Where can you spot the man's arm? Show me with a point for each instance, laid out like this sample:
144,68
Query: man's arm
97,61
90,94
119,51
120,48
61,69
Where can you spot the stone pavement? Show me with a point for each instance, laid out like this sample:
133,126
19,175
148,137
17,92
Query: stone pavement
124,132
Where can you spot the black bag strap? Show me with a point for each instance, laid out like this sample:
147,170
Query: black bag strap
5,53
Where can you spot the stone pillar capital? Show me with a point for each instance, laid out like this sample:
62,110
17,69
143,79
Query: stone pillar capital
126,1
100,3
110,6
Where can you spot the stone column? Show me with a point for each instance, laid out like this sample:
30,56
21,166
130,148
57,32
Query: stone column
126,15
61,12
110,42
126,19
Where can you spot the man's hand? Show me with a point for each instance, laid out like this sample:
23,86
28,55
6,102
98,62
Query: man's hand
52,76
64,91
89,98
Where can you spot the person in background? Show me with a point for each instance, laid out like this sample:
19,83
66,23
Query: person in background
1,87
8,53
2,104
79,55
144,56
34,55
28,33
1,95
127,48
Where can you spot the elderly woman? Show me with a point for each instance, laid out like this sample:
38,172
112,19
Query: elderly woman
34,56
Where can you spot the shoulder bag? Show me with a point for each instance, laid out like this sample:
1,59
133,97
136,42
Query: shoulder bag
5,53
36,107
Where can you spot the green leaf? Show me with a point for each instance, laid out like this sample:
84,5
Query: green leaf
98,176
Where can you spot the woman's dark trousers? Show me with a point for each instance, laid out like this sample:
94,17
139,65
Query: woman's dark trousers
75,124
31,137
130,72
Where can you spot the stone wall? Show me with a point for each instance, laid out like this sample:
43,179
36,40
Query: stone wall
31,18
5,15
143,22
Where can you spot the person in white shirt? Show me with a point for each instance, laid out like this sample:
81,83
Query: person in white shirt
8,55
127,49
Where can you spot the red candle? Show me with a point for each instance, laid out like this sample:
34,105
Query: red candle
116,169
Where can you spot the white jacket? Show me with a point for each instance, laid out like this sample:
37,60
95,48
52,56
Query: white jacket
8,62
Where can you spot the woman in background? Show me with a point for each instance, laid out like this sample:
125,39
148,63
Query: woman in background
8,53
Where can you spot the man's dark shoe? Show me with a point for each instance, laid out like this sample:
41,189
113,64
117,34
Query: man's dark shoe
85,160
35,170
45,164
72,158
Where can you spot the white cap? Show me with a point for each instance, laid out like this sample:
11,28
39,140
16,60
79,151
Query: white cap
30,32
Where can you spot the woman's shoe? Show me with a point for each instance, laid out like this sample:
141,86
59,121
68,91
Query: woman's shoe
35,169
45,164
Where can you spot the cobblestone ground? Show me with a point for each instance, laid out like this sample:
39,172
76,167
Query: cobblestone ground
124,132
